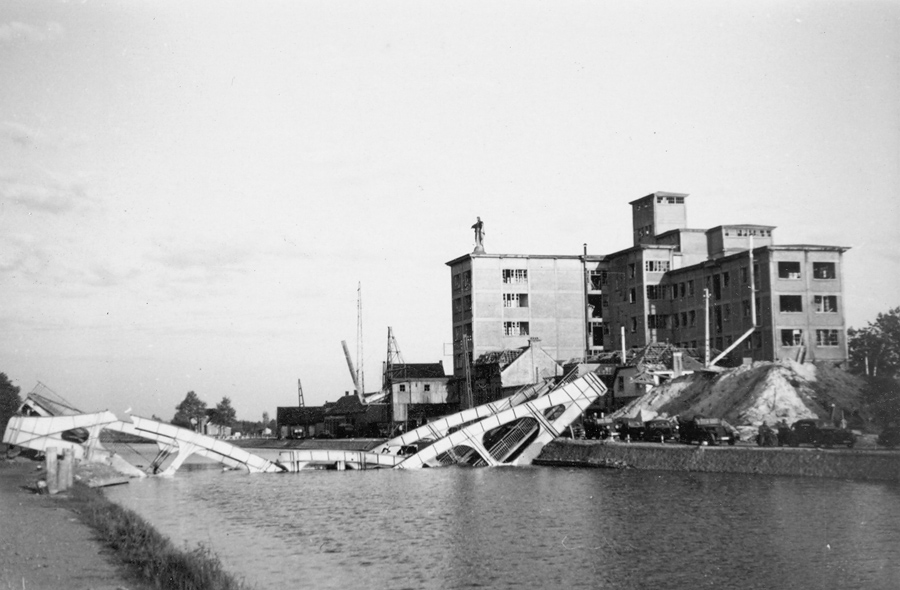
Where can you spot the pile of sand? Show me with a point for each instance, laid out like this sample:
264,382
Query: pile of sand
752,394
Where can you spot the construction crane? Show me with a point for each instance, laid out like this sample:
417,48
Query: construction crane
353,374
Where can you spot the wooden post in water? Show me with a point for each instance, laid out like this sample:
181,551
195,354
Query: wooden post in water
52,469
66,470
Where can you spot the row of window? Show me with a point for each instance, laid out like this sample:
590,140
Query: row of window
791,270
748,231
649,266
820,303
426,387
794,337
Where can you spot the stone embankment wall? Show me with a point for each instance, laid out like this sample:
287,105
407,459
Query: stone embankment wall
810,462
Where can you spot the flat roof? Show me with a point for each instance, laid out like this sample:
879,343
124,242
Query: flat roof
588,258
659,194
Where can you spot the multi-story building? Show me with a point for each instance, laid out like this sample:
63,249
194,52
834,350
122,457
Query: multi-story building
501,301
757,300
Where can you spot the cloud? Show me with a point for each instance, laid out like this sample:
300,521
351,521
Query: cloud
17,134
205,263
40,191
15,32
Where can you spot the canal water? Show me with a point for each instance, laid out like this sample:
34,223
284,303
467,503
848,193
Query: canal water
536,527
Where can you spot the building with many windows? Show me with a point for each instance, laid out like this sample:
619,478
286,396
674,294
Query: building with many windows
675,284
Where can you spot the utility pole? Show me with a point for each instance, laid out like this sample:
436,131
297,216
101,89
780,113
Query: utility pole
469,402
360,360
705,327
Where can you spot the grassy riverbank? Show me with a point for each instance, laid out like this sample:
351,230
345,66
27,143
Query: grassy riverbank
153,557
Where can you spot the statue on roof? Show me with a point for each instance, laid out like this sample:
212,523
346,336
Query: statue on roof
479,236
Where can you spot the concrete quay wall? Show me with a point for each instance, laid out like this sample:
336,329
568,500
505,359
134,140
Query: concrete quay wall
808,462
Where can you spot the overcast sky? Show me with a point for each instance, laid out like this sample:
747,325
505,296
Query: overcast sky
190,192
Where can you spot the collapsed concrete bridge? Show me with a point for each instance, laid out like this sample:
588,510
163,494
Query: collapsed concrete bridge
511,431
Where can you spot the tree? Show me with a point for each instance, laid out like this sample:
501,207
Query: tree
875,354
875,349
9,400
224,414
191,407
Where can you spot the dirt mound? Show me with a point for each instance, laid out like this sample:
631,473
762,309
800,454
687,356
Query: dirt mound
752,394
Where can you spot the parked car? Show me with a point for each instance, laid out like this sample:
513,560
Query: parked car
711,431
661,430
630,429
889,437
820,433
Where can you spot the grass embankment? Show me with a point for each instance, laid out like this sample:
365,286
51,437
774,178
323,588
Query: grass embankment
152,556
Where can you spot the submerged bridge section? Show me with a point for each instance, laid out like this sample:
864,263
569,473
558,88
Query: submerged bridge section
511,431
81,433
514,436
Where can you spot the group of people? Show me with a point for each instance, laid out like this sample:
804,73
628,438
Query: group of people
768,437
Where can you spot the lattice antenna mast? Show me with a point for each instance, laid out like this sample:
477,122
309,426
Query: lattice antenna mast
300,393
393,357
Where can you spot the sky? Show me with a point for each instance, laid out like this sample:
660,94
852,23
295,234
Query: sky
196,196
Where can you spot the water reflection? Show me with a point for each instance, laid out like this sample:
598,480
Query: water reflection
532,528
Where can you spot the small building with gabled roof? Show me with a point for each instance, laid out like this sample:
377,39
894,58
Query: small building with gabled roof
500,373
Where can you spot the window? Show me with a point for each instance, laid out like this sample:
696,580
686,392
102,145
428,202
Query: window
656,265
675,323
515,328
826,338
654,292
515,300
515,275
693,317
745,275
467,279
788,270
792,337
745,306
467,303
402,387
825,303
824,270
681,290
684,319
631,270
598,279
726,278
757,339
632,295
456,282
427,387
791,303
726,311
690,285
634,324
